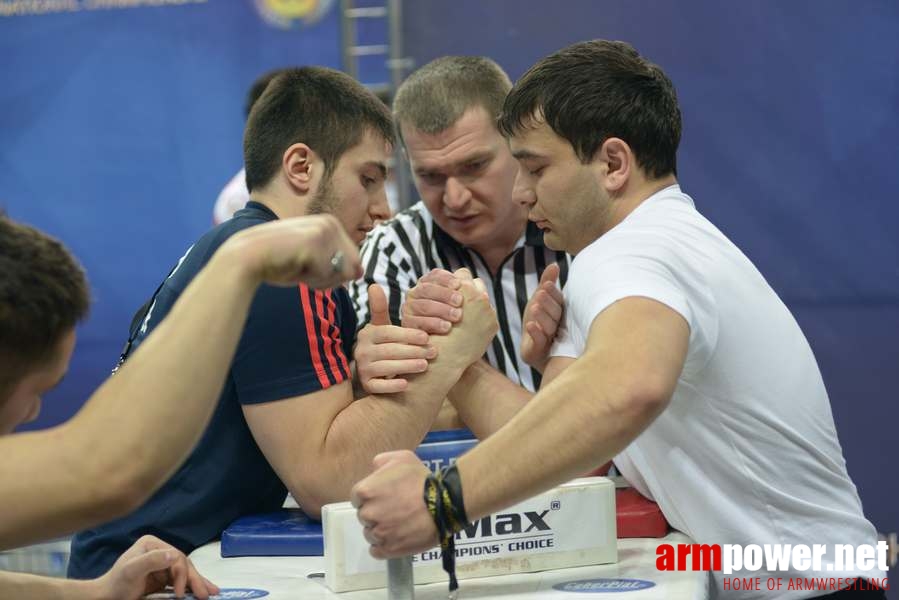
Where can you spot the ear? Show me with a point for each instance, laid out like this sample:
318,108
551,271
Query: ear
618,162
301,167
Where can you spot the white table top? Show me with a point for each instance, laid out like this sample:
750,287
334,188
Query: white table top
286,578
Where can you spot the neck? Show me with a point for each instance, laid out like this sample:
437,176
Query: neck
499,248
633,196
284,206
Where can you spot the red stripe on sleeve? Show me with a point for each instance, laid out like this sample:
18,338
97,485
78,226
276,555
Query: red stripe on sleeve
335,335
328,343
312,338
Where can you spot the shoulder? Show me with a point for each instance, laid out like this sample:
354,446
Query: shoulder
652,231
196,257
218,235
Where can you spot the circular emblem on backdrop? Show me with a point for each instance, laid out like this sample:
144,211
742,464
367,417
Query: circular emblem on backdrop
287,14
603,586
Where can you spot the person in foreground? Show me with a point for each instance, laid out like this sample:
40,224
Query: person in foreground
676,358
114,453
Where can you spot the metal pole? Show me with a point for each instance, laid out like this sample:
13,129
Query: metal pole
398,65
400,585
348,39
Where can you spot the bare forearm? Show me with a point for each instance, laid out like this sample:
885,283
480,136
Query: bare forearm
447,418
579,428
486,399
137,427
375,424
20,585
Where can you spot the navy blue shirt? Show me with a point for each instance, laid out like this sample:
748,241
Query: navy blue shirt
295,341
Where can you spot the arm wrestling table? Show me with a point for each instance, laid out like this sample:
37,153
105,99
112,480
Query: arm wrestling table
290,578
287,577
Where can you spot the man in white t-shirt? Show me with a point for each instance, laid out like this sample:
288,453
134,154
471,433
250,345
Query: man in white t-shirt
675,356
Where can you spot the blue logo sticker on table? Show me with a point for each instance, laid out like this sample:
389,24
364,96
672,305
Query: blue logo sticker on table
603,585
224,594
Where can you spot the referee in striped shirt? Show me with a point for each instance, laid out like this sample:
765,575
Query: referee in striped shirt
468,217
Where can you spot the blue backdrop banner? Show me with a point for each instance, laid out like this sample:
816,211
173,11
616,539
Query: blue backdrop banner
119,124
121,120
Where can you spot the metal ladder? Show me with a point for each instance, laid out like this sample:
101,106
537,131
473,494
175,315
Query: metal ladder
392,51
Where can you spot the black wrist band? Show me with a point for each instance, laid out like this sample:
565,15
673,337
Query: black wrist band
451,480
439,504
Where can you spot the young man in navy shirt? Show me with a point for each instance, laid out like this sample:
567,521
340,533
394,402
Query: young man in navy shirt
315,142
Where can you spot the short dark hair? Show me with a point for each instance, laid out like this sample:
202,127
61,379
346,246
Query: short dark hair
43,294
591,91
257,88
435,96
325,109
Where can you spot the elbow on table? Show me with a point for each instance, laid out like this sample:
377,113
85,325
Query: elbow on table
312,493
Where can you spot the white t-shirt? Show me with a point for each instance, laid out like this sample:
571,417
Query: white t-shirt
746,452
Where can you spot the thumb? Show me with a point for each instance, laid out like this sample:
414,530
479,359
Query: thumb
464,274
550,274
142,565
377,304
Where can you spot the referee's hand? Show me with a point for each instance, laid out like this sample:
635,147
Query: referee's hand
541,319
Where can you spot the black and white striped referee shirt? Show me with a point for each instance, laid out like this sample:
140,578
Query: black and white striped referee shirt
399,251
